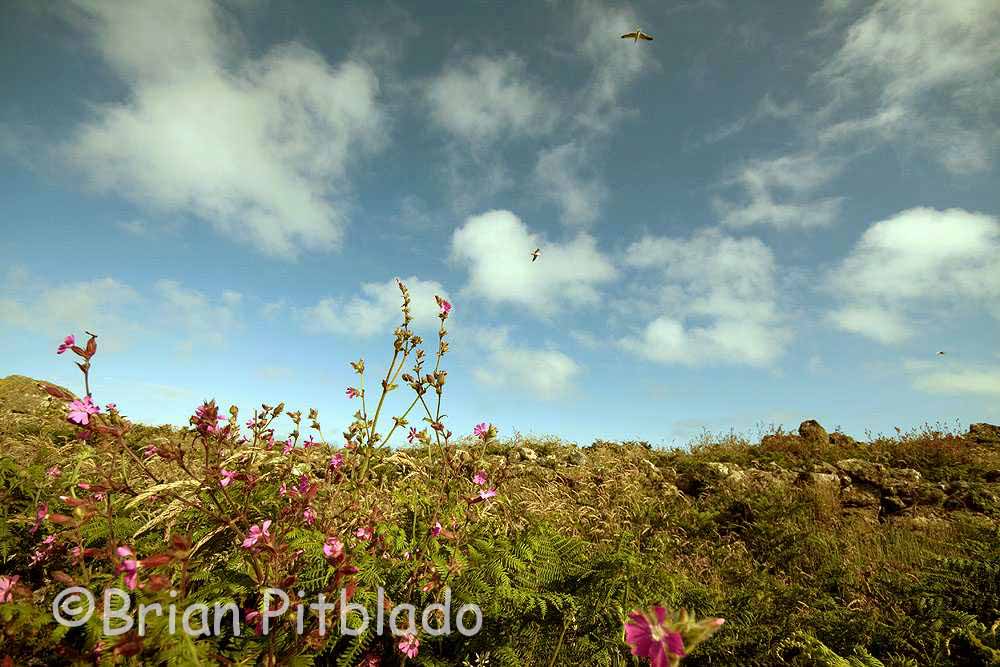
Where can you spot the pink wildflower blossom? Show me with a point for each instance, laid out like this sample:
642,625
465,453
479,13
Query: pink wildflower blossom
352,392
408,644
445,306
412,436
436,529
80,411
650,638
54,471
256,534
151,451
309,515
130,566
111,407
481,430
7,587
228,476
67,343
364,533
44,550
289,446
480,478
486,494
336,461
333,548
40,515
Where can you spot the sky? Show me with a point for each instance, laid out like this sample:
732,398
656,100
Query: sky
774,211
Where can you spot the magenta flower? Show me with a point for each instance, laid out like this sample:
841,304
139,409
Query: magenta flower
151,451
255,620
289,446
80,411
228,476
412,436
44,550
130,566
649,637
408,644
333,548
40,514
364,533
352,392
336,461
486,494
111,407
481,430
309,515
445,306
436,529
256,534
67,343
479,478
7,587
54,471
251,423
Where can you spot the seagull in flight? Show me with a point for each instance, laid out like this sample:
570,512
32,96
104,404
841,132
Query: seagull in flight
940,354
535,253
636,35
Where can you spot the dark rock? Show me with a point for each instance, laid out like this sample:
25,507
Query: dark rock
811,431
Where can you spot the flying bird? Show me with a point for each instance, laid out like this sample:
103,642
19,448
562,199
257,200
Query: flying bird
636,35
535,253
940,354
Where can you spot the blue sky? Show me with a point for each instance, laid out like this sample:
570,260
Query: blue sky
771,212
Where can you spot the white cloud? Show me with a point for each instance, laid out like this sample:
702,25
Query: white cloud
921,260
257,147
377,310
961,382
481,99
103,306
779,192
495,248
560,176
718,299
932,66
544,372
767,108
195,314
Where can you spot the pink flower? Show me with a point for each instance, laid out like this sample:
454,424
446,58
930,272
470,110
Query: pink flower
227,477
257,533
67,343
40,514
336,461
487,494
80,411
111,407
352,392
479,478
130,566
310,442
43,551
255,620
412,436
7,587
445,307
289,446
649,637
408,644
363,533
309,515
251,423
481,430
54,471
151,451
333,548
436,529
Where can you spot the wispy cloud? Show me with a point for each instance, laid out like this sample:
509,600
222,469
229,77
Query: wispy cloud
545,373
259,147
718,299
376,310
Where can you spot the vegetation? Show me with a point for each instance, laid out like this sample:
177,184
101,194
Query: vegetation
814,548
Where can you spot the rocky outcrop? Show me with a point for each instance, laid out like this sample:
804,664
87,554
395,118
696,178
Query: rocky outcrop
812,432
984,434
